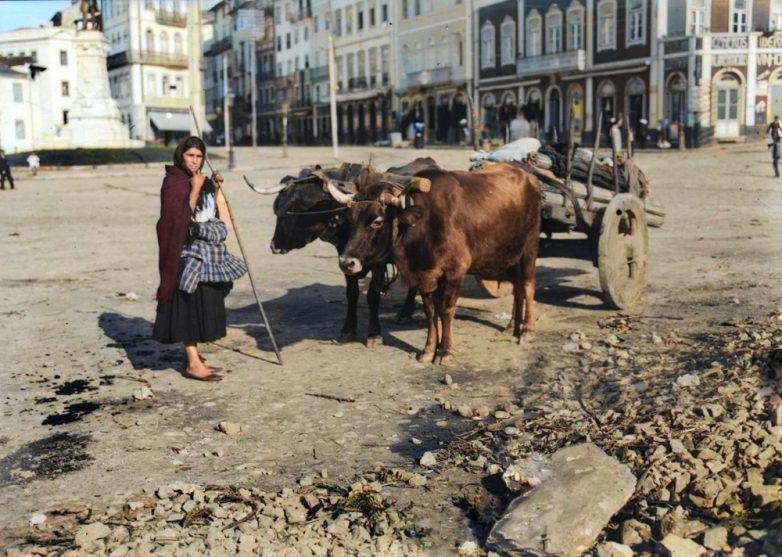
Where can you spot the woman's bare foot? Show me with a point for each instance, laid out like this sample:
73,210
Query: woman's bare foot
196,366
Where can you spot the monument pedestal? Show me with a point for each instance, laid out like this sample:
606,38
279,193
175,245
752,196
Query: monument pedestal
94,119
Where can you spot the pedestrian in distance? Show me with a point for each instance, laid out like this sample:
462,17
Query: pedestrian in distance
34,162
774,133
196,270
5,172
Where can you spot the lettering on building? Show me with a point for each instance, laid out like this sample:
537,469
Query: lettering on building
774,41
730,60
770,59
730,43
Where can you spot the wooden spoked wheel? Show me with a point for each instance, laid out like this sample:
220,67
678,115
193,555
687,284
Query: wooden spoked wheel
623,248
495,288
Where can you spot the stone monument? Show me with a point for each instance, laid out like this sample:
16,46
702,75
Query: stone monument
94,120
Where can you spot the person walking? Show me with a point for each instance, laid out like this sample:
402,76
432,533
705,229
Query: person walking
5,172
196,270
34,162
774,132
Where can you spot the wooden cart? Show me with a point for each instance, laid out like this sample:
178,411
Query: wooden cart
616,228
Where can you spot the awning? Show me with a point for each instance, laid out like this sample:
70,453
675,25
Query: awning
176,121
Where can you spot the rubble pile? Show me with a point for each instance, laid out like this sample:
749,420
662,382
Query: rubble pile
699,420
316,519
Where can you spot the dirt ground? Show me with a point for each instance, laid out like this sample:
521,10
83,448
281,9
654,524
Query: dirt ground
76,349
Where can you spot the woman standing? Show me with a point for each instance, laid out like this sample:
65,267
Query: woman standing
196,270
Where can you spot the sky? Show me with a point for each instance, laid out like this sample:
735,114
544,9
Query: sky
28,13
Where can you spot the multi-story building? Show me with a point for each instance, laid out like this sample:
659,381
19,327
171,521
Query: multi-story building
362,39
237,28
16,112
53,90
709,67
293,26
435,66
545,60
154,65
721,70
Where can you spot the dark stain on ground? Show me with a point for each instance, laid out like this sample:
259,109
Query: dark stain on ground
45,399
107,380
75,387
46,458
73,413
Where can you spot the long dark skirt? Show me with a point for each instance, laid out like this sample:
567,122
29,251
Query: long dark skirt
193,318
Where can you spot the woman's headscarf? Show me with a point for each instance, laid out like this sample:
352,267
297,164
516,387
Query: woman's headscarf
183,147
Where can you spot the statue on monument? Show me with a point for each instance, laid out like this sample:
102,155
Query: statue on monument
90,15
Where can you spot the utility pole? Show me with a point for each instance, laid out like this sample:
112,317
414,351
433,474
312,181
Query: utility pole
253,92
226,115
333,96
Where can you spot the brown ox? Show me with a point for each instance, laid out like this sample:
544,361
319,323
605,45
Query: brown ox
485,223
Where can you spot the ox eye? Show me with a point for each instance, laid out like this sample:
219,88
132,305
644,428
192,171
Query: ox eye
378,222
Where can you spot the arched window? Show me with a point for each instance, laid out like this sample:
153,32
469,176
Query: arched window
553,30
606,25
488,46
606,95
507,41
534,34
178,43
150,40
575,26
164,42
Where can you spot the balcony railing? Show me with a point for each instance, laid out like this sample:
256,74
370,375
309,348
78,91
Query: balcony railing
571,60
429,77
357,83
219,46
165,17
319,73
146,57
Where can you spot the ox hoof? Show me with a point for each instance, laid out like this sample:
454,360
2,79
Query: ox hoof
426,357
374,342
347,337
445,359
525,336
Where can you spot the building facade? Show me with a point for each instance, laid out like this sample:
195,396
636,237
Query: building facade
154,65
16,112
721,74
434,72
52,89
707,68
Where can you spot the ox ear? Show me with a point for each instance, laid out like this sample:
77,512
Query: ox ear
411,215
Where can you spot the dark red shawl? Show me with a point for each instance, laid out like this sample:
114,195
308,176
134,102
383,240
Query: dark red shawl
172,228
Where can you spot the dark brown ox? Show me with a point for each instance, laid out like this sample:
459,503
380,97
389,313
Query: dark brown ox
485,223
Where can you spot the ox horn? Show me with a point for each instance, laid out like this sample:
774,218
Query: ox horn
264,191
340,195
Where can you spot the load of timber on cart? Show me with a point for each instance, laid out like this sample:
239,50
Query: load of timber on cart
550,166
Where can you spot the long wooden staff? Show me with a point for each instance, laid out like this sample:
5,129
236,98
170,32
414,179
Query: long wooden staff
241,248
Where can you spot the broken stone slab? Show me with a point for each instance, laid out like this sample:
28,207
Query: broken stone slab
565,513
613,549
89,535
716,538
675,546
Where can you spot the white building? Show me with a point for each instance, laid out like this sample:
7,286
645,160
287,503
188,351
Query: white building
237,27
154,65
53,90
16,133
363,43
